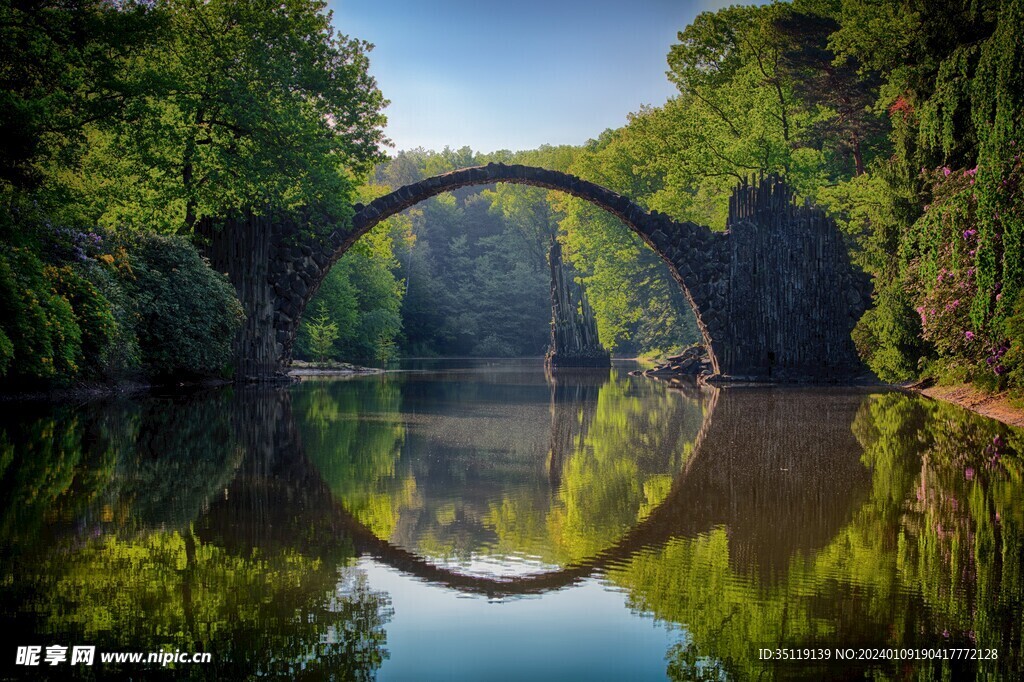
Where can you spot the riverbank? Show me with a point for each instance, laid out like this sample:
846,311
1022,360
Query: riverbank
301,369
992,405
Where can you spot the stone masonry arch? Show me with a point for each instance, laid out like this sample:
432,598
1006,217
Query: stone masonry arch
775,296
699,278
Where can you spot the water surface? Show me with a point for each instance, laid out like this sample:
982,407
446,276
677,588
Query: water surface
484,520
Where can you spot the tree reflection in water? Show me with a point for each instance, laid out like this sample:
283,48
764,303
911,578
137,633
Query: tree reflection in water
547,470
229,521
112,536
925,551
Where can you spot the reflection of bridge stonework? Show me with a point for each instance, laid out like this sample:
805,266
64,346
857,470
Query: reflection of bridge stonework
775,296
779,469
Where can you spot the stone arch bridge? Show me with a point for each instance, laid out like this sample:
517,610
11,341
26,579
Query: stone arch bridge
775,295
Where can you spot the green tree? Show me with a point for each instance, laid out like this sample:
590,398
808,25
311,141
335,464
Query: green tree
250,104
363,295
66,65
322,335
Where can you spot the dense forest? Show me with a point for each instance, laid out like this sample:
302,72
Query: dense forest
124,124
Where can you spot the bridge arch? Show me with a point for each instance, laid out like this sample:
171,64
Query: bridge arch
653,228
775,295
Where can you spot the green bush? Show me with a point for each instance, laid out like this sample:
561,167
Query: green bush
888,336
92,313
188,314
6,352
1013,360
42,339
121,356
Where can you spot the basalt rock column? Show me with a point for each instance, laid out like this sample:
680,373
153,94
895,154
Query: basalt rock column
793,296
242,249
574,341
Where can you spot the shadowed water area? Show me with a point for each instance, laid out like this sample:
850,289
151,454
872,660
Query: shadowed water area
485,520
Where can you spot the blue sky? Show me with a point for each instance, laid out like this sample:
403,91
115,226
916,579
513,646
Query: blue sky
515,74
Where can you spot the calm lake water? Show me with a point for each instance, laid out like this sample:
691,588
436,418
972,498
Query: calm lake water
485,521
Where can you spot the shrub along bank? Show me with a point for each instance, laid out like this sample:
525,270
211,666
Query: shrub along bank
87,306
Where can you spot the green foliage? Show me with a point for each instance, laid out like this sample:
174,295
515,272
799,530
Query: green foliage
50,463
249,105
92,312
1013,360
362,296
888,336
472,262
477,281
65,64
41,332
951,85
6,352
322,335
142,117
475,263
356,435
188,314
110,276
759,92
353,434
928,554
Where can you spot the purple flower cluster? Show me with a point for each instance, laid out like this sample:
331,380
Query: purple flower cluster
994,360
995,450
71,244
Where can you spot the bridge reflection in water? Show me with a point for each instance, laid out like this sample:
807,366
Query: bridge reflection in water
745,517
778,468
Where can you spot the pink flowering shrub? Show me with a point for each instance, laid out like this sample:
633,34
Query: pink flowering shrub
946,286
944,308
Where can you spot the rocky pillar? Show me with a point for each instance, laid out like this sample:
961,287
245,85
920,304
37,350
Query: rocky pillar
574,341
241,248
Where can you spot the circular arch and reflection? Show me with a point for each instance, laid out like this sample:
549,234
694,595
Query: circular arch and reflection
776,475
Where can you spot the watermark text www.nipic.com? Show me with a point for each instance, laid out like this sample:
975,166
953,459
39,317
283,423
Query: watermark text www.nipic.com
56,654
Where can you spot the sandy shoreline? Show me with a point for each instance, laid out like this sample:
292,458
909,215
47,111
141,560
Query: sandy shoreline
992,405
